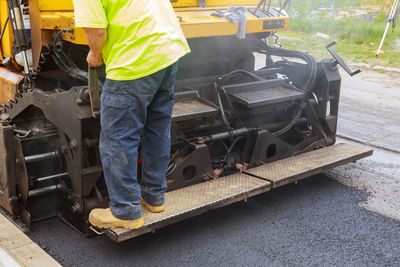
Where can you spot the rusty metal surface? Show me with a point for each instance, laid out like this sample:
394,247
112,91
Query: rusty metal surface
304,165
9,83
8,190
194,200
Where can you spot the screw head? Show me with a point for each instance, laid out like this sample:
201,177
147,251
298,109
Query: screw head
73,144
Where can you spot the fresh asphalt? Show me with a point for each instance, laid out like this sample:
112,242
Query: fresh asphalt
317,221
314,222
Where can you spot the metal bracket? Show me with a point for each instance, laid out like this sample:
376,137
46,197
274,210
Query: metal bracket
202,3
96,231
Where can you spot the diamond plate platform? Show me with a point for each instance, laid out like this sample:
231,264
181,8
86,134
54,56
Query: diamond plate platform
304,165
194,200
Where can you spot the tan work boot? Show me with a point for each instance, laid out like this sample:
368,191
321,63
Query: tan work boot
154,209
103,218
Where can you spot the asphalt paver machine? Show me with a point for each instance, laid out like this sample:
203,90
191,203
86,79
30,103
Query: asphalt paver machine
238,129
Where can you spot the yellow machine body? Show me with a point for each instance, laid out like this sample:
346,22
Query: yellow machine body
48,16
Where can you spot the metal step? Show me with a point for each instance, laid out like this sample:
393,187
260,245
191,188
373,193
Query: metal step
295,168
196,199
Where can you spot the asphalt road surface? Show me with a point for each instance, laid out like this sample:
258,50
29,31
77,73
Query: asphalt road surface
349,216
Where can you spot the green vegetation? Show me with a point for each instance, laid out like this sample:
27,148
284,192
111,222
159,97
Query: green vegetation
357,28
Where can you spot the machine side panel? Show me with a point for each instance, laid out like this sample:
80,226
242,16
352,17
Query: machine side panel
8,198
7,40
51,5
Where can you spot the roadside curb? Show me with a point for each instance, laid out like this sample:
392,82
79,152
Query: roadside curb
377,68
17,249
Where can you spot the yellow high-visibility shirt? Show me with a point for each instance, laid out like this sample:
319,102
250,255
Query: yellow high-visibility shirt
144,36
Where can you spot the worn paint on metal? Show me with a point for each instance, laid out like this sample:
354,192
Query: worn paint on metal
196,21
193,200
51,5
7,40
9,83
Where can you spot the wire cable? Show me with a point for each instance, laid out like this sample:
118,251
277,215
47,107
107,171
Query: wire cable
4,27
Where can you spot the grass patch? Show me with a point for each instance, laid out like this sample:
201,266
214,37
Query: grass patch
357,40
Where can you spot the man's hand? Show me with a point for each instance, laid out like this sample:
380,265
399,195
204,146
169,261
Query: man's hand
96,39
94,59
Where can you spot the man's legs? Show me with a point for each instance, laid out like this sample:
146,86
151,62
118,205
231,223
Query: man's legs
124,107
156,140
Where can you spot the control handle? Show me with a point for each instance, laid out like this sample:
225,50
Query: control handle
339,60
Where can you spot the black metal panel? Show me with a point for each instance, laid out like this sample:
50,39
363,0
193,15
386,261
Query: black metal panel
8,177
263,93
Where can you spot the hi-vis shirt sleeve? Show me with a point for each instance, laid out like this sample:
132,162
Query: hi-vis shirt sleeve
89,14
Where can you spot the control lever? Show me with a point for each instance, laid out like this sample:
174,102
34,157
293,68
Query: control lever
95,88
339,60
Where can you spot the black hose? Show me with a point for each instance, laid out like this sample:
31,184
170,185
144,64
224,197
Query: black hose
312,64
224,118
237,72
232,146
307,87
63,61
4,27
293,121
219,87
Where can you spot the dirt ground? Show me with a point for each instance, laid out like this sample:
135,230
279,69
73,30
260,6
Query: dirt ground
369,114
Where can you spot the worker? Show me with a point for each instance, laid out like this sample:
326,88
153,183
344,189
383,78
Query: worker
140,42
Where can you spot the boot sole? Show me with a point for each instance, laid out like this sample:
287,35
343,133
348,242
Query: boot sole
136,225
153,209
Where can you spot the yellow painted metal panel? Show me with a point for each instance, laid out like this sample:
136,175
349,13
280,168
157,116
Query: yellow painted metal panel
201,24
233,2
193,3
185,3
9,82
48,5
195,24
6,42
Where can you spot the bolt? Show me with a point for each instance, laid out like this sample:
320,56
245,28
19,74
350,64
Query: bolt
75,209
73,144
70,197
199,140
4,119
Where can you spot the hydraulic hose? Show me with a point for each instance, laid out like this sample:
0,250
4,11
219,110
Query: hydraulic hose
4,28
310,61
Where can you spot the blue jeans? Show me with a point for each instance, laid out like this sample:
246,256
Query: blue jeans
130,110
